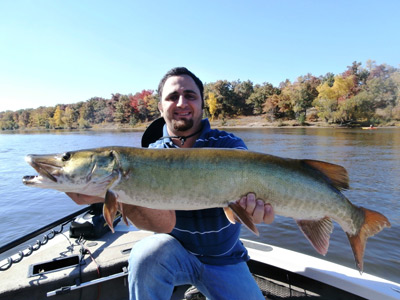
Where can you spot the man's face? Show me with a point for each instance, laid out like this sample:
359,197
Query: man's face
181,105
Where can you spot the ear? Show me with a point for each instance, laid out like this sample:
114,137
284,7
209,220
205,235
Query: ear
160,108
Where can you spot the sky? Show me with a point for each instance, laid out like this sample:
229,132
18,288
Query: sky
61,52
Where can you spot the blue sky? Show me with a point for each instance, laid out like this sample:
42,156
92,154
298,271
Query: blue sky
54,52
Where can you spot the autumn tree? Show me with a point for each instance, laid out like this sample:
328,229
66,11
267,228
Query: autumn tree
212,104
226,98
331,97
144,105
69,118
24,117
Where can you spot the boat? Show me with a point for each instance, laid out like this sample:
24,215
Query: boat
369,128
86,261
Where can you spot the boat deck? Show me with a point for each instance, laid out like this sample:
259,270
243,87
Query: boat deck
69,262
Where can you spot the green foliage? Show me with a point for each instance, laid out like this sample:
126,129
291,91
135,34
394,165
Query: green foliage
257,99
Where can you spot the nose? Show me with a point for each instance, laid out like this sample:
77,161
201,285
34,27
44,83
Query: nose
182,102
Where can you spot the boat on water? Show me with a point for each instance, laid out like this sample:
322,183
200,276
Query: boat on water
85,261
369,128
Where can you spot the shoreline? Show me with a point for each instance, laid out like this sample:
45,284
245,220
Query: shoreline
242,122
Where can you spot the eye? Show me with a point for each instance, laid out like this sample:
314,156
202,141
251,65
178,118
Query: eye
173,98
66,156
191,96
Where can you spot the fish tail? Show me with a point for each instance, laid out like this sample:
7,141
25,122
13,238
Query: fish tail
374,222
110,208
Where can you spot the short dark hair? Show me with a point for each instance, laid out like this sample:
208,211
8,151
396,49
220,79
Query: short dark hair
178,72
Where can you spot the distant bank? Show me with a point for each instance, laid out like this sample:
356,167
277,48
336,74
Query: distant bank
238,122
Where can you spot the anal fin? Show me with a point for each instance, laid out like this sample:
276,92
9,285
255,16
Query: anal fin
318,233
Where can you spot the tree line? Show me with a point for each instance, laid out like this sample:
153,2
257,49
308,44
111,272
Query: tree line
361,94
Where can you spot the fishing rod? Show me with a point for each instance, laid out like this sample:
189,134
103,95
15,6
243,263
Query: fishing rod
68,289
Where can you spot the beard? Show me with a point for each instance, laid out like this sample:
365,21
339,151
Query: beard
182,125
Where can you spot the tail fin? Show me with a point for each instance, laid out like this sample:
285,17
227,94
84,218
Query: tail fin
374,222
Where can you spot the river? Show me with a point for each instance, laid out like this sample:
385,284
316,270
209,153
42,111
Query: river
372,158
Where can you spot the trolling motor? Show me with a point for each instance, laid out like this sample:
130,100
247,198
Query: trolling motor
91,225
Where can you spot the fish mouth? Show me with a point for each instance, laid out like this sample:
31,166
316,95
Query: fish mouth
47,168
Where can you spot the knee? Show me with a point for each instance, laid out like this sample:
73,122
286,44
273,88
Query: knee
147,255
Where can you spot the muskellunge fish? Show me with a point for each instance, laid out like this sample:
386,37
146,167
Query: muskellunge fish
190,179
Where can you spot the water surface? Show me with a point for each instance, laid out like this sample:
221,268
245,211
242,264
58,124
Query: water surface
372,159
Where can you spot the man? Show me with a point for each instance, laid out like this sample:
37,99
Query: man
200,247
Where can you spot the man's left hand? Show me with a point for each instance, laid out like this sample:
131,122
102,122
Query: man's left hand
260,211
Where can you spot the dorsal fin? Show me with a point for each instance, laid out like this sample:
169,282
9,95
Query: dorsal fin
336,174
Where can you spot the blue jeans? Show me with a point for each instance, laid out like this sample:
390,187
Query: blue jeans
159,262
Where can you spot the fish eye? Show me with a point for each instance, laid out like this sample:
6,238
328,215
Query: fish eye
66,156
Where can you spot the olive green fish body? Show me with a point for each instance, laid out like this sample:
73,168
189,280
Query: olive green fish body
190,179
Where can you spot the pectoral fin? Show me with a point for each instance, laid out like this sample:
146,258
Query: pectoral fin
122,210
317,232
240,214
110,208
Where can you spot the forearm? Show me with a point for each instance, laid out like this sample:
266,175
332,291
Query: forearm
161,221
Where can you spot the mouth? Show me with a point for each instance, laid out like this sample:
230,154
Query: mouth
45,170
183,114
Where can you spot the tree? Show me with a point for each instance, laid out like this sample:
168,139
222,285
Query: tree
259,96
68,119
123,110
57,118
82,121
330,97
24,117
302,94
279,106
212,104
144,105
226,99
242,92
7,121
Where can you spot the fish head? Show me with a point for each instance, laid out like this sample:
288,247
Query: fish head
89,172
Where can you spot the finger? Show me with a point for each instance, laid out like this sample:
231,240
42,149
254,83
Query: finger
258,213
242,202
250,203
269,214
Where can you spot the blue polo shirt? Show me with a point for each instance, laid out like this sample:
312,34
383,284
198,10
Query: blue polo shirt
207,233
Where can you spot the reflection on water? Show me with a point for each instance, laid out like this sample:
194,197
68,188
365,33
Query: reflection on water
371,158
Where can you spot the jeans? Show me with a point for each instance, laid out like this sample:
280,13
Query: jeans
159,262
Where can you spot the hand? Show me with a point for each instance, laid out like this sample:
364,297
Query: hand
260,211
84,199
